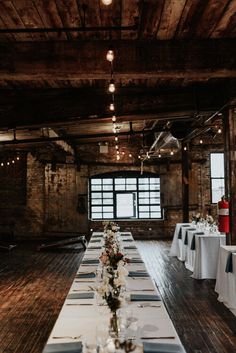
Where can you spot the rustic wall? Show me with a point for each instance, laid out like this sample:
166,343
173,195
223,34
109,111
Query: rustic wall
56,198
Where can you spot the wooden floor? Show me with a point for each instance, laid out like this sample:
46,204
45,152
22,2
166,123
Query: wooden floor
33,286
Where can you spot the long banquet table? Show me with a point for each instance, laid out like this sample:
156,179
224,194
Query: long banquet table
198,249
226,277
83,318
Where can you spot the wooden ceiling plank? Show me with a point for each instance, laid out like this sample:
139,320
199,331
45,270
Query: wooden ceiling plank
130,11
13,20
111,16
70,17
5,37
91,17
227,24
47,10
210,17
190,17
30,17
170,18
151,12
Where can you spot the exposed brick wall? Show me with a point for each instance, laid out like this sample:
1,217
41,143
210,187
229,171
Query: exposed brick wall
57,197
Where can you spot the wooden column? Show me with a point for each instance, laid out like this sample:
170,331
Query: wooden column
230,168
185,183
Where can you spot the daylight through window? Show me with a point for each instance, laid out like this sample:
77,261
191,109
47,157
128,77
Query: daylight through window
125,197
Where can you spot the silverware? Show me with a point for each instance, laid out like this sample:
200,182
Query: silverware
157,338
141,290
148,306
79,304
62,337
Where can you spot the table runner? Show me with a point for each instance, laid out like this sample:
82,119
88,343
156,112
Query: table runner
76,319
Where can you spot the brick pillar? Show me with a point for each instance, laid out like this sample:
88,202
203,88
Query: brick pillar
230,167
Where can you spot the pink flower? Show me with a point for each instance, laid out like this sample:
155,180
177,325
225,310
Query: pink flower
103,258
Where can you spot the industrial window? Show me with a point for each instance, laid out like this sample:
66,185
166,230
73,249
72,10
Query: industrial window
125,197
217,176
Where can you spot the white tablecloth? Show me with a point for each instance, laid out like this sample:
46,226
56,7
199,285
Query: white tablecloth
190,254
174,250
206,258
226,282
85,320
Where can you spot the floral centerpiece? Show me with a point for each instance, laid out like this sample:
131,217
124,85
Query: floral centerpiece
197,218
114,271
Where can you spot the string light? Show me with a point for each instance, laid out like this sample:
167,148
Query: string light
112,107
18,158
107,2
201,142
116,138
139,157
171,153
219,131
13,161
2,164
123,153
8,163
110,55
130,155
117,152
114,119
159,155
185,148
117,147
112,87
118,157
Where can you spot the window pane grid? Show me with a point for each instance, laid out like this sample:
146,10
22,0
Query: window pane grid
217,176
104,190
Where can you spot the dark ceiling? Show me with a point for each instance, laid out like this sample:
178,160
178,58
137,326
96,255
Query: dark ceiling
174,59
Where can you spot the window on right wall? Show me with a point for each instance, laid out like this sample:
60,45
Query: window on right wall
217,170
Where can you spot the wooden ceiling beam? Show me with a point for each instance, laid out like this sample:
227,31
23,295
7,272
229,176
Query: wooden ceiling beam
46,107
64,60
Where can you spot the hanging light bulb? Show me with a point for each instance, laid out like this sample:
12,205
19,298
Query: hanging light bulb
2,164
8,163
118,157
201,142
130,155
159,155
111,87
110,55
139,157
117,152
116,138
185,148
18,158
123,153
117,147
13,161
219,131
107,2
112,107
171,153
114,118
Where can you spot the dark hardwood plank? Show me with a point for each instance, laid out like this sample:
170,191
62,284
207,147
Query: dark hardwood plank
203,324
33,287
111,16
130,11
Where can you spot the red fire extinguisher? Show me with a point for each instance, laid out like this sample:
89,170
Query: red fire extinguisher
223,215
